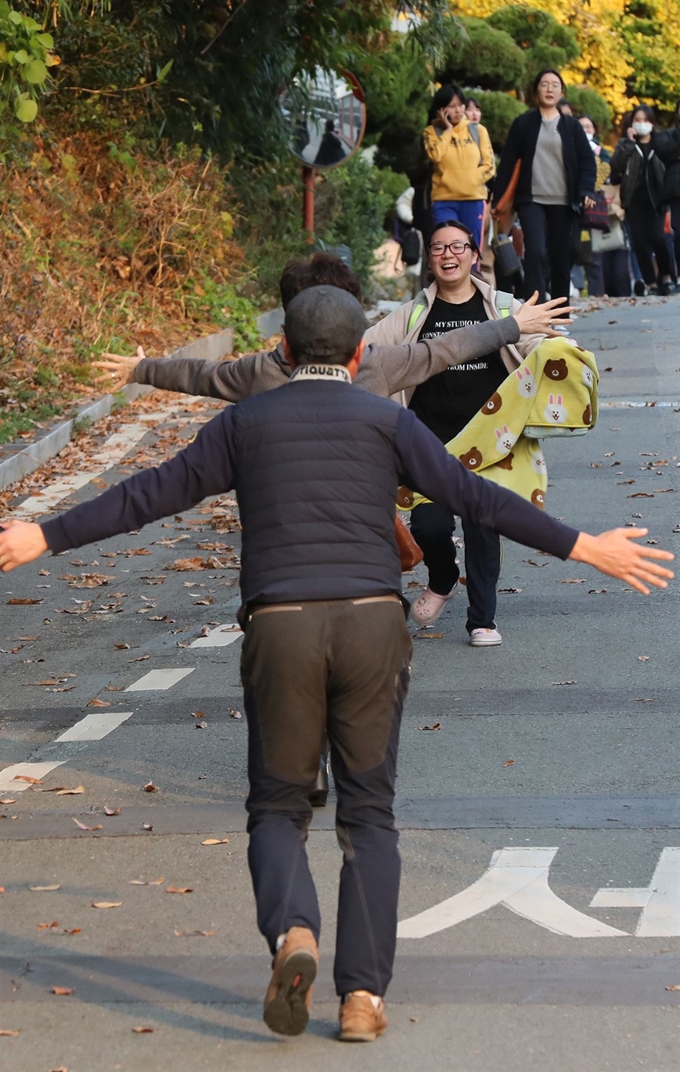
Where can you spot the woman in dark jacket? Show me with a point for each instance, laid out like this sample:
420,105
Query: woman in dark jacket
638,164
671,182
556,178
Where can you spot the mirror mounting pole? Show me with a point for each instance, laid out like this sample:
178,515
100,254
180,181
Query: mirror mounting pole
308,203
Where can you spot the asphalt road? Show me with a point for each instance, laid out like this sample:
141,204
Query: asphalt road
540,822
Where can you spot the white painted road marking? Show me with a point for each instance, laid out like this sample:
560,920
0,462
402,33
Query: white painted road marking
518,879
660,901
29,770
159,680
94,727
219,637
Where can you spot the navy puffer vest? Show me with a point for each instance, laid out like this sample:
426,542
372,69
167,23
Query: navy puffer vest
317,484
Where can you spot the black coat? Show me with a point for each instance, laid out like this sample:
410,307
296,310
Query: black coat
631,168
579,161
670,154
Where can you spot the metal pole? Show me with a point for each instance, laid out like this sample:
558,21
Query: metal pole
308,203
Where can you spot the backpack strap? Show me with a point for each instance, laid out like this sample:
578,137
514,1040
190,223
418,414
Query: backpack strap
416,311
504,303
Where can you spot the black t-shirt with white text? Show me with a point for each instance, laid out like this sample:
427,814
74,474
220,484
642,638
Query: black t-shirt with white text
447,401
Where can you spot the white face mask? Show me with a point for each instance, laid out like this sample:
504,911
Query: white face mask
642,128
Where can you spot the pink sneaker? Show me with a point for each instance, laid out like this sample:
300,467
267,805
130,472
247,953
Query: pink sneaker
485,638
429,606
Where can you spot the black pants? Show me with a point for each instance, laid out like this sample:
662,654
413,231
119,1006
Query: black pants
674,206
432,527
340,668
616,268
550,237
646,228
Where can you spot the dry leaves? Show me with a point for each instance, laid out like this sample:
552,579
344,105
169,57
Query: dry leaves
572,580
185,565
147,826
122,647
44,889
429,636
676,986
64,991
215,841
192,934
179,889
571,681
142,882
106,904
7,800
26,778
111,811
511,591
643,658
61,791
83,826
149,788
435,726
643,699
509,763
233,713
23,602
142,1030
6,1033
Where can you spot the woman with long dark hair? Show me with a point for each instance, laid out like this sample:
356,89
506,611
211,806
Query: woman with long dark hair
638,164
556,179
462,162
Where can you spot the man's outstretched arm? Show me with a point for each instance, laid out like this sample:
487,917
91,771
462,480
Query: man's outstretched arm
427,467
205,467
231,380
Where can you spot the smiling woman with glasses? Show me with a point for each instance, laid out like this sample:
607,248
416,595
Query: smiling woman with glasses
438,249
556,179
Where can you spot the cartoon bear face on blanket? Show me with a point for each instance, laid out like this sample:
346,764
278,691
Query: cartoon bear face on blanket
473,458
493,404
538,498
556,370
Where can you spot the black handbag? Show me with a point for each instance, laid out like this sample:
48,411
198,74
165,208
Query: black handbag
597,217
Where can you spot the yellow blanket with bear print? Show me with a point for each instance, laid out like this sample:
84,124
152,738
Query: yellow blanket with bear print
552,393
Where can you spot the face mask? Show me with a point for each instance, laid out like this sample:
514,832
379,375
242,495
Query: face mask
642,128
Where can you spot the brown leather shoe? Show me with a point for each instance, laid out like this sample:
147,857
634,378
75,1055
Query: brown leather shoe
360,1021
289,994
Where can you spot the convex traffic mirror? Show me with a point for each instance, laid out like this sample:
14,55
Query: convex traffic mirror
325,117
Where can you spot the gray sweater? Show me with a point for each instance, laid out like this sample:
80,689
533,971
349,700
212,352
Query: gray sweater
384,370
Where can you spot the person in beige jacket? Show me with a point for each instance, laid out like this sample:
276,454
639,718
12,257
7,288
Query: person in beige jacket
462,160
457,299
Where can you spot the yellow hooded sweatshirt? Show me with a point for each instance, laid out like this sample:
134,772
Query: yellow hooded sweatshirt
461,168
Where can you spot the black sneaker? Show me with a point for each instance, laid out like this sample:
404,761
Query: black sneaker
665,289
640,288
319,794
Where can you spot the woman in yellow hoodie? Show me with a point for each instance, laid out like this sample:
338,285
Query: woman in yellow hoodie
462,161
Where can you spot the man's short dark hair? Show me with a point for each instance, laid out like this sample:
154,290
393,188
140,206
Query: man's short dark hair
324,325
323,269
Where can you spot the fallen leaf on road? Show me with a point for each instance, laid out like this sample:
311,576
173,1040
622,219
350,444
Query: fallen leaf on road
7,801
179,889
597,591
49,926
99,703
512,591
6,1033
44,889
191,934
676,986
435,726
233,713
142,882
82,826
106,904
67,792
573,580
643,699
641,659
75,930
64,991
215,841
530,562
641,495
509,763
149,788
429,636
23,602
143,1030
122,647
112,811
183,565
620,483
147,826
201,725
198,714
26,778
571,681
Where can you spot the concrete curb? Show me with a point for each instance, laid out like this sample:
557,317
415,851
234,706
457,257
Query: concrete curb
20,460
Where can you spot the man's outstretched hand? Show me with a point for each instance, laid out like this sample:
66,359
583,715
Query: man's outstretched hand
117,369
536,319
20,542
615,553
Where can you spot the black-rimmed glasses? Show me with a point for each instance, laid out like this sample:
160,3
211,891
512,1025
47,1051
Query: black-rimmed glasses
438,249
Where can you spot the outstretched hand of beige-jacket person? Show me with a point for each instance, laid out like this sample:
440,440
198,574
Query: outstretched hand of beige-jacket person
614,553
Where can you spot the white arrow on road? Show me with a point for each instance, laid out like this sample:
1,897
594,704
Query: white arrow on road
660,901
518,879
